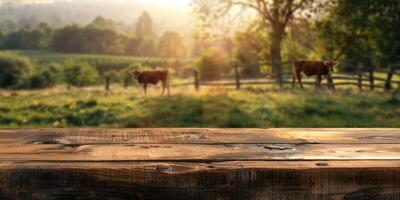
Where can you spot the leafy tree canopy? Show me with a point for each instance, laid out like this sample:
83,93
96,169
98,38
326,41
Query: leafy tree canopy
362,32
171,45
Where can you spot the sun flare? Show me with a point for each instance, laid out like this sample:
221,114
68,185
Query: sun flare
168,3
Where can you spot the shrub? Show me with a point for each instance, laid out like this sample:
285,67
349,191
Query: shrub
14,71
47,77
80,74
213,64
126,76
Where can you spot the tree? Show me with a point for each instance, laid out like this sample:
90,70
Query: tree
275,14
144,26
102,23
67,39
27,39
8,25
103,41
362,32
171,45
88,40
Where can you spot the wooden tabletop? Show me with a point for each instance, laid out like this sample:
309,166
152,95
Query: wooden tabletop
200,163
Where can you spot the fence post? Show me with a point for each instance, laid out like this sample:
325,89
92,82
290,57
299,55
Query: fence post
360,80
371,79
331,84
108,83
360,77
196,80
237,76
388,84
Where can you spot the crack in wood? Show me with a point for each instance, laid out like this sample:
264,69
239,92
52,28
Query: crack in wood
277,148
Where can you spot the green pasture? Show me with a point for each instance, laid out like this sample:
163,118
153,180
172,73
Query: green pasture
255,107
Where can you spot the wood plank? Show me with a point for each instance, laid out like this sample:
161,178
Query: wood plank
348,164
227,180
169,168
199,136
198,152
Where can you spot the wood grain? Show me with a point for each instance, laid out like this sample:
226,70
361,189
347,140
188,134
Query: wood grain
309,164
199,136
198,153
230,180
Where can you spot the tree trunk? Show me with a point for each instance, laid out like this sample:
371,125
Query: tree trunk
275,54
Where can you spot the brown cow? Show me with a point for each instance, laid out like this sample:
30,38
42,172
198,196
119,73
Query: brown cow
152,77
312,68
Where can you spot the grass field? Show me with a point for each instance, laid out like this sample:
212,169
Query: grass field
216,107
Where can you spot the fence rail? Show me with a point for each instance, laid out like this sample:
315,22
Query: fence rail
363,79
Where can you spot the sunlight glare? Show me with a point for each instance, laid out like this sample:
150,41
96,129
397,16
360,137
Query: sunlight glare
168,3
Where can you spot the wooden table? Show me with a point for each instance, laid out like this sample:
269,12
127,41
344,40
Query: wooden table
349,164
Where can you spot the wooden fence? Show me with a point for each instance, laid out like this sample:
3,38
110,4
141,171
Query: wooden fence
371,79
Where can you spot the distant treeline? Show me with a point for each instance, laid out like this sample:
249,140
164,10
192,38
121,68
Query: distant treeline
99,37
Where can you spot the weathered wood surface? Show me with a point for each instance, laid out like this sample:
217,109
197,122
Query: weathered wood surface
199,136
349,164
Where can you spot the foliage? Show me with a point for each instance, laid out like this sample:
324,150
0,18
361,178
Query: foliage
126,74
8,25
102,23
362,32
171,45
47,77
274,15
141,47
26,39
249,46
144,26
213,64
88,40
301,41
80,74
101,36
14,71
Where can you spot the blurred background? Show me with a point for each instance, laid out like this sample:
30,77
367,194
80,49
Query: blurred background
67,63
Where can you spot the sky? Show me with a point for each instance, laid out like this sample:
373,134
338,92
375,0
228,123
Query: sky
163,3
170,3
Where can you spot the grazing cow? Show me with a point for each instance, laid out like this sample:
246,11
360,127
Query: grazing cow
152,77
312,68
